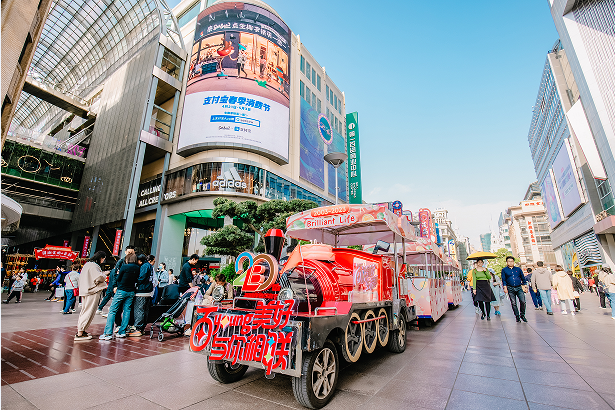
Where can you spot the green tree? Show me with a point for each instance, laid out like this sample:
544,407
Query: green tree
254,218
499,263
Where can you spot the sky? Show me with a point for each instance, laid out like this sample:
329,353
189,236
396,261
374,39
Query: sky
444,92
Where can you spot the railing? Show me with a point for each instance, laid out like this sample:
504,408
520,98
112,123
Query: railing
38,201
34,138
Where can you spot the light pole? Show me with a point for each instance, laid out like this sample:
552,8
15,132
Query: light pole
336,159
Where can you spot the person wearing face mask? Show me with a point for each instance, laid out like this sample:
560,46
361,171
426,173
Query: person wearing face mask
161,280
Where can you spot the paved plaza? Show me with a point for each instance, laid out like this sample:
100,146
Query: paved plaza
459,363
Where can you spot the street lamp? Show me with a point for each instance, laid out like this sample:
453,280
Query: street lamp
336,159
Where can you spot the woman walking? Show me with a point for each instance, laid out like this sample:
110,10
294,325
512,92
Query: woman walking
563,285
71,282
482,289
577,290
496,288
92,282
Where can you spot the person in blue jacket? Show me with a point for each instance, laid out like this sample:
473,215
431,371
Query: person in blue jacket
514,284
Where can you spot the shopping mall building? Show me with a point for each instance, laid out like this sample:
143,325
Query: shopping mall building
134,118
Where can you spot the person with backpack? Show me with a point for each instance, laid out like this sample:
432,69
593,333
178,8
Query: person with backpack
143,295
112,279
71,289
16,289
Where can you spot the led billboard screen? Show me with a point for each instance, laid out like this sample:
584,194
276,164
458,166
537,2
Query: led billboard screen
312,150
566,181
238,88
550,199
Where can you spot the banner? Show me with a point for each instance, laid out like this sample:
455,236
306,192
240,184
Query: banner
116,244
551,200
566,180
354,159
86,245
55,252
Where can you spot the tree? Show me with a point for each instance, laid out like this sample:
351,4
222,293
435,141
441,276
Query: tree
254,218
499,263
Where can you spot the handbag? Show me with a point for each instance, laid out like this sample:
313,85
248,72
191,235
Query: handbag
575,294
60,292
75,290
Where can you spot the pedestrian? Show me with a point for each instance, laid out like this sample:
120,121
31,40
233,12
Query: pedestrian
496,288
16,289
514,284
112,279
124,296
162,279
172,278
482,289
3,271
578,289
600,288
143,295
591,284
185,276
92,282
470,281
71,282
609,283
533,292
542,281
563,285
52,286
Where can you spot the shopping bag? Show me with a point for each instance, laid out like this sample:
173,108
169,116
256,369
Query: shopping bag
60,292
189,310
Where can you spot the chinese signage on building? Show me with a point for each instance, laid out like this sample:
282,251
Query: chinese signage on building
354,158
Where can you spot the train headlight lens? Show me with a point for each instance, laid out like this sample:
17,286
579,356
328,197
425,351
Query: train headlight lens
218,293
286,294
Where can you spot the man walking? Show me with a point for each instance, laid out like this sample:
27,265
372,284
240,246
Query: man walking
514,284
533,291
186,280
112,278
542,281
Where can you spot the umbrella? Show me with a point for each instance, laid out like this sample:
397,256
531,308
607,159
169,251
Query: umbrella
482,255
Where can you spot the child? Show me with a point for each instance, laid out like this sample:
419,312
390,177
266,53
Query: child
554,298
16,290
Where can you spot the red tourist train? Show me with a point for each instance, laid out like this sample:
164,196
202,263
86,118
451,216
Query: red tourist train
325,302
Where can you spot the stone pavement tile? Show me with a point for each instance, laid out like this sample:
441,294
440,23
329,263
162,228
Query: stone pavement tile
609,398
80,397
557,379
130,402
11,400
361,383
545,357
563,397
429,352
279,390
594,371
556,367
489,386
424,362
145,381
498,372
519,347
343,400
538,406
600,384
232,400
464,400
379,403
58,383
485,359
431,376
424,396
176,395
501,351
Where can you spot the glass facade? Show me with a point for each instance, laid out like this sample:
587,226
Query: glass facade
189,15
234,177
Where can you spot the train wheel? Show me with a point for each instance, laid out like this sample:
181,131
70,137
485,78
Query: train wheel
397,341
383,328
370,332
353,339
225,372
318,380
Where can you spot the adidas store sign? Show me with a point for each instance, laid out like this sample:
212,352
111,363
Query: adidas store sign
230,179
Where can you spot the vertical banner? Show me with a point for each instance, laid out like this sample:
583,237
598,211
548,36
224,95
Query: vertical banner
116,244
66,243
86,245
354,158
397,207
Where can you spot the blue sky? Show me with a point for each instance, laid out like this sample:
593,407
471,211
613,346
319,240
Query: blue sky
444,92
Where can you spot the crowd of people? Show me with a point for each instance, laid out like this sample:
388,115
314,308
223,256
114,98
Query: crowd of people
546,288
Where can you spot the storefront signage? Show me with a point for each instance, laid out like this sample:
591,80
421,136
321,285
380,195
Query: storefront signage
255,339
354,158
56,252
86,245
116,243
230,179
149,192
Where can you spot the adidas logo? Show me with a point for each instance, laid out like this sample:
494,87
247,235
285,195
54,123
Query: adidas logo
230,179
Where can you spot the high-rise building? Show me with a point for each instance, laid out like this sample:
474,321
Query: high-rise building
485,241
569,164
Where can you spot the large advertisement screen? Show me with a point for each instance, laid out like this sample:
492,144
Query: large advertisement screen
566,181
550,199
312,150
238,87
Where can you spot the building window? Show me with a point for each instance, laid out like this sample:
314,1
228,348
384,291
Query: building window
302,89
327,93
313,103
313,77
335,101
318,105
302,64
308,70
189,15
318,82
170,63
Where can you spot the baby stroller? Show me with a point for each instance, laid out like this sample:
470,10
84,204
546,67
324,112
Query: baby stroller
167,321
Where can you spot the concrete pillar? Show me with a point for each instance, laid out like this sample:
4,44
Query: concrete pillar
172,241
94,242
609,250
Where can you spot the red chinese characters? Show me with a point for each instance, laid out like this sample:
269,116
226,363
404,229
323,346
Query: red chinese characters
271,348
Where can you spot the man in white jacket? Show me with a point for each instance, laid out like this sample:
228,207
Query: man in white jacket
542,280
91,284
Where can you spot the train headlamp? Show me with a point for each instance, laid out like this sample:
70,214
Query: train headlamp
286,294
218,293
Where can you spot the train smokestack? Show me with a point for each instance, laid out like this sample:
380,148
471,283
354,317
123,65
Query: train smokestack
274,242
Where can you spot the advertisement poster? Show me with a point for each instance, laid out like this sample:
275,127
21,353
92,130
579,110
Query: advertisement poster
238,82
117,242
550,200
566,181
312,149
354,158
86,247
337,145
